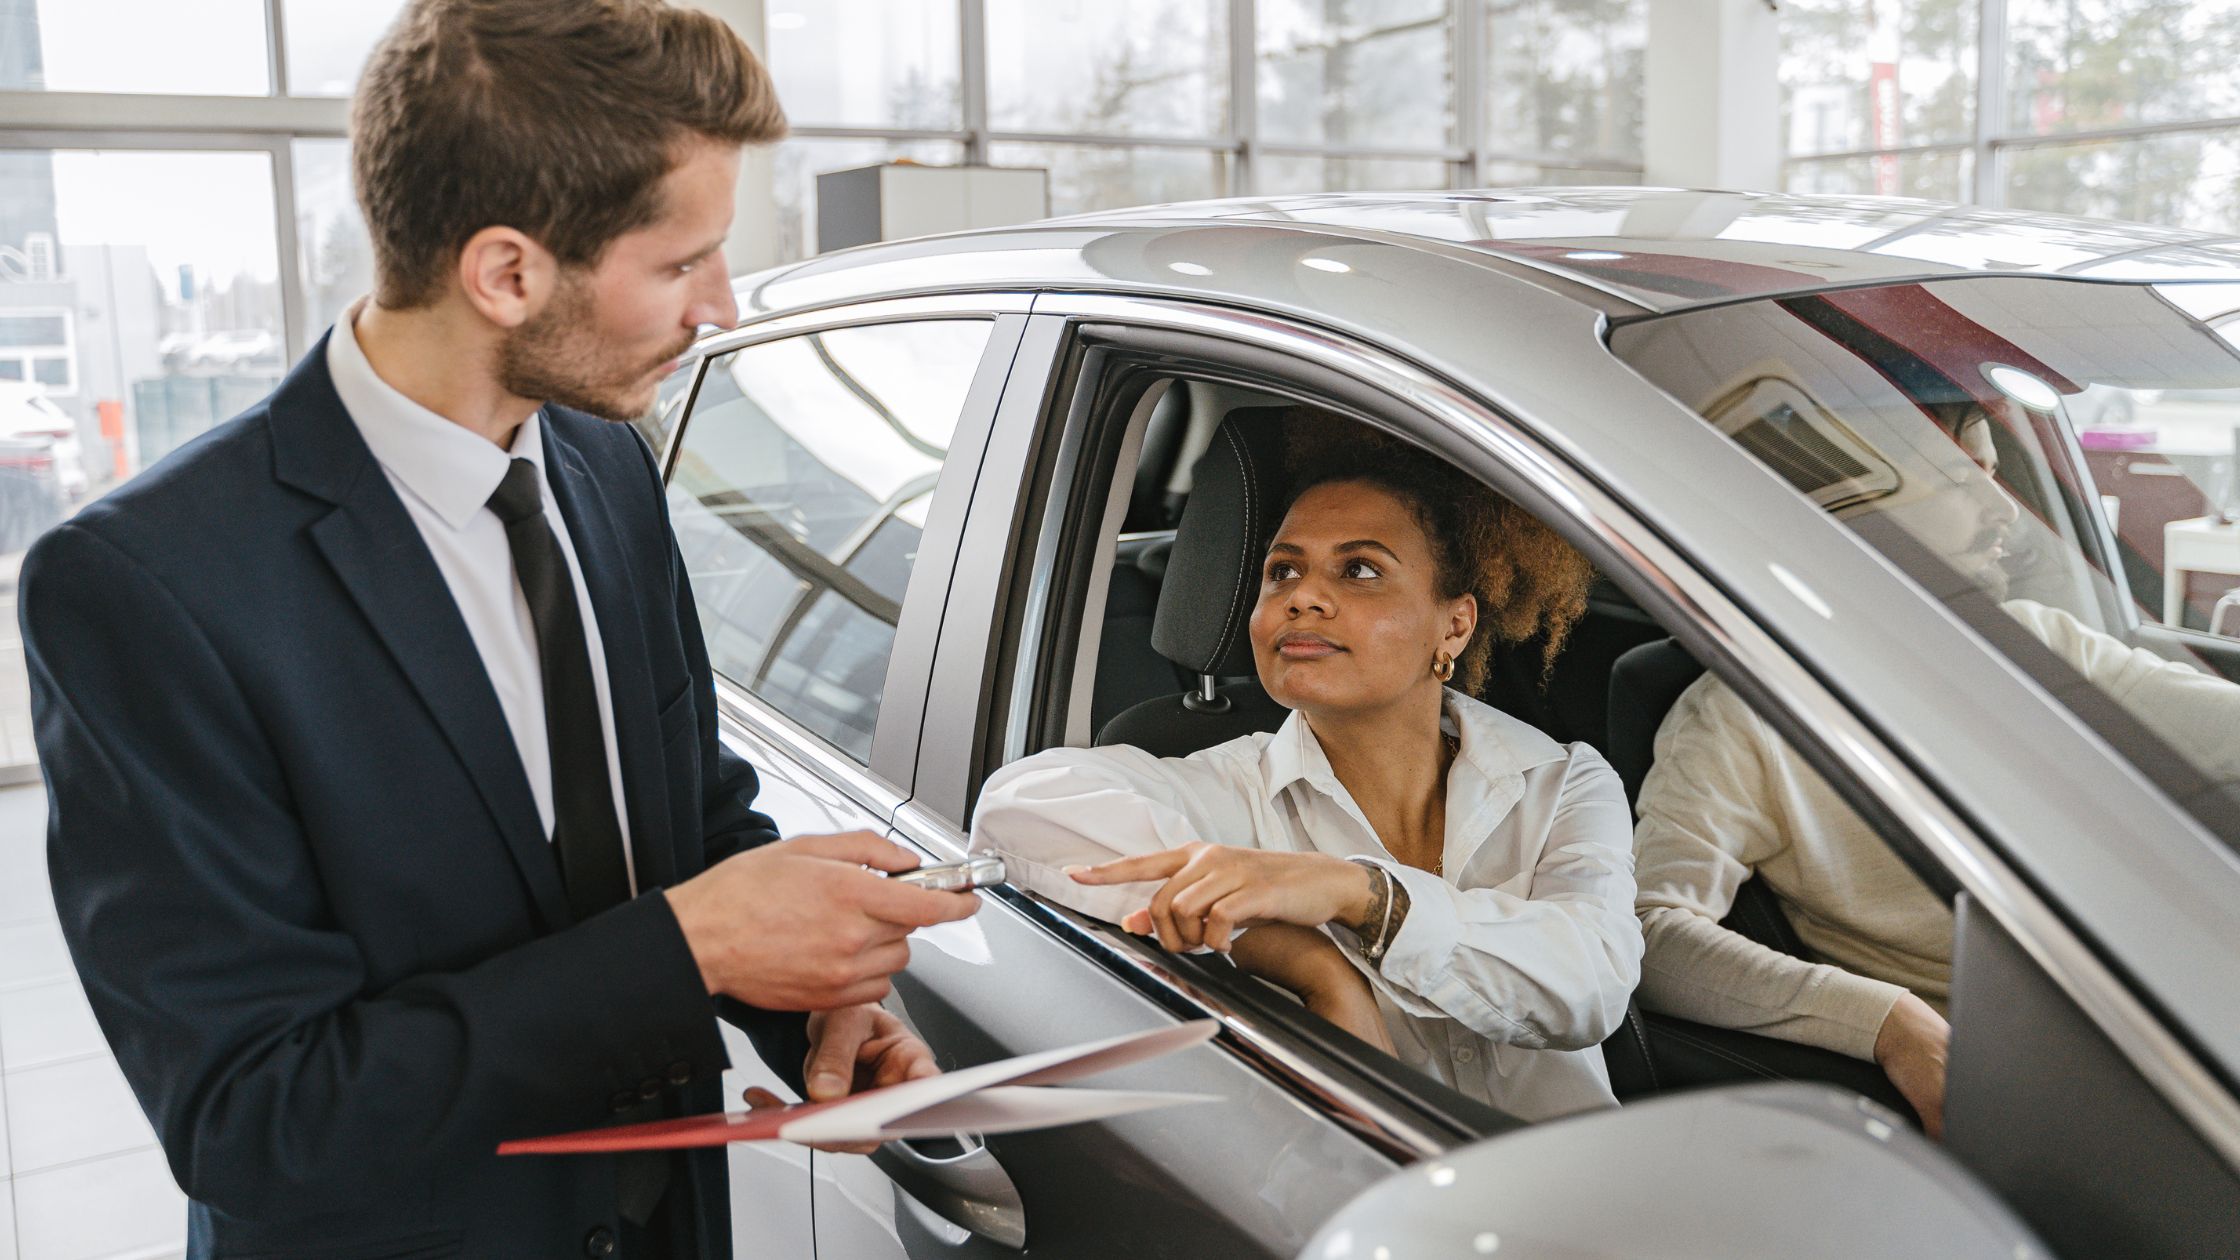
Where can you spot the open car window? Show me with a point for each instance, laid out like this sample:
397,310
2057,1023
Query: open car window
2048,458
1579,700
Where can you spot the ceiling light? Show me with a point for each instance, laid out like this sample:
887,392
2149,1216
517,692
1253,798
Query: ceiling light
2022,387
1190,268
1324,264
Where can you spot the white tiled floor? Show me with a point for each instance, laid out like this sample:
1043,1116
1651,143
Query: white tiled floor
31,952
124,1207
46,1023
67,1113
81,1174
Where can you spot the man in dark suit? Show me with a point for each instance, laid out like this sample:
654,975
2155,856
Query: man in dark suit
389,818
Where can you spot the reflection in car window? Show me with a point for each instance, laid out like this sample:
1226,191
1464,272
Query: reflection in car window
798,496
2065,447
660,419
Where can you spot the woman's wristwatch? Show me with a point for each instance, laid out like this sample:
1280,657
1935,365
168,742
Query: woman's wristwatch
1388,909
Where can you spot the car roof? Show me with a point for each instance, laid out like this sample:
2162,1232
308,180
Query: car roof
1629,251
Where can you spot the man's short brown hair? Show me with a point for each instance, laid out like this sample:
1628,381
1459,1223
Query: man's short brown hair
558,118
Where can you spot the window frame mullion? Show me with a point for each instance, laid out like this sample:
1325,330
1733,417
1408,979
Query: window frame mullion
276,47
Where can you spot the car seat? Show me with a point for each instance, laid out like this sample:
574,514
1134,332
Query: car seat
1652,1052
1211,581
1644,685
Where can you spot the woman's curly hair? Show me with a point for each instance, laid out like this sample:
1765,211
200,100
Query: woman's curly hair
1527,580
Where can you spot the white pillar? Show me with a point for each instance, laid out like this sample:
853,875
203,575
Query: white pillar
1712,99
753,243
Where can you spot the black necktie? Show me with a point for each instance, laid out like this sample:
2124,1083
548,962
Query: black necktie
585,832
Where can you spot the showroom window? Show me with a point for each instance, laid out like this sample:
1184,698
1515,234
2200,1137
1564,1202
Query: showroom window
1174,100
176,228
2112,108
798,494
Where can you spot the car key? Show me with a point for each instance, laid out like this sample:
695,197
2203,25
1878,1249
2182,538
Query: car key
973,872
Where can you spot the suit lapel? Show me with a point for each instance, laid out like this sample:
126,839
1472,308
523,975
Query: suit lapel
616,600
376,550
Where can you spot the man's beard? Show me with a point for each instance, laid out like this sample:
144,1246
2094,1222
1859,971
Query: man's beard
1996,546
555,358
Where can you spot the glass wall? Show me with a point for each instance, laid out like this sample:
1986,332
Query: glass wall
1171,100
326,42
1565,77
210,47
157,279
1371,72
1151,68
1100,177
2110,108
867,63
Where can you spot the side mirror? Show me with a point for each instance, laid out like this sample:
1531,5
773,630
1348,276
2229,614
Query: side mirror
1756,1172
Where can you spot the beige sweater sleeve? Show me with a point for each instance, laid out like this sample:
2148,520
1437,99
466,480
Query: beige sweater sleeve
1715,805
2197,712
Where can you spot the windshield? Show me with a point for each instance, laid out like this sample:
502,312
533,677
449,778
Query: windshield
2053,458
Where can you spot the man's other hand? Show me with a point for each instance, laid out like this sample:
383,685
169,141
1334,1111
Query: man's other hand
851,1050
801,925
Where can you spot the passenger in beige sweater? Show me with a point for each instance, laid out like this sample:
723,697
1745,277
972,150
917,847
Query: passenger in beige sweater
1728,799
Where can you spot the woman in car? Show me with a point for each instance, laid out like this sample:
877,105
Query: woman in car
1437,877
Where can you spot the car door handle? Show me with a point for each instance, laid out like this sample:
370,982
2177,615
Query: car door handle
958,1180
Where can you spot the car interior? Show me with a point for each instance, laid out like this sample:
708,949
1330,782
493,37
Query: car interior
1173,674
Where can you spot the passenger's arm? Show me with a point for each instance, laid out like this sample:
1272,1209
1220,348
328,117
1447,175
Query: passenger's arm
1707,819
1550,968
2196,711
1082,806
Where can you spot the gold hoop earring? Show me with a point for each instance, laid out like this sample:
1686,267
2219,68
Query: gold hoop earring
1442,667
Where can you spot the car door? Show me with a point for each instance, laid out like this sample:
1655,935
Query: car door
814,487
1302,1121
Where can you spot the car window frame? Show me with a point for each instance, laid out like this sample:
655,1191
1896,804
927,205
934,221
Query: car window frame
1887,790
886,780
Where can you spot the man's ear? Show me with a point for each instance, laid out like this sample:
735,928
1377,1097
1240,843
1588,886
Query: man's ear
506,276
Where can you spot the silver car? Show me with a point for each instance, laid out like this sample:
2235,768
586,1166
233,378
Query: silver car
946,502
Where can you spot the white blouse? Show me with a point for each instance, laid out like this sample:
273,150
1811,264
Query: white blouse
1502,983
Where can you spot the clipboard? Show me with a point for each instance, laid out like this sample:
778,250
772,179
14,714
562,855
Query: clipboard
1009,1096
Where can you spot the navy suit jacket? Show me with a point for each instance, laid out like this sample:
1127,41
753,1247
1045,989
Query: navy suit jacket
302,875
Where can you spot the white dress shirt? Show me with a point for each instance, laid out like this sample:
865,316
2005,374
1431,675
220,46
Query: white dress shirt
446,473
1727,798
1501,983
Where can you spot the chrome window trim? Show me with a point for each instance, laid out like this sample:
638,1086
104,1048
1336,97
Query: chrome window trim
853,311
763,722
1116,951
2159,1056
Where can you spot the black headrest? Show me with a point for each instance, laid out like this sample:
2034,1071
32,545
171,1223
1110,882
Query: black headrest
1644,685
1213,573
1163,434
